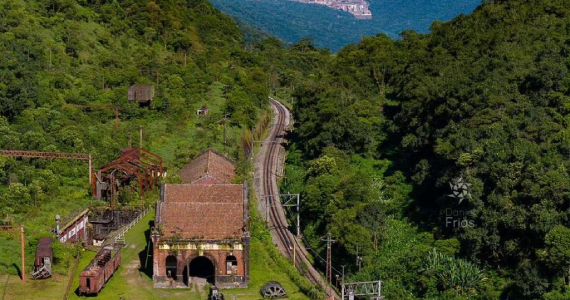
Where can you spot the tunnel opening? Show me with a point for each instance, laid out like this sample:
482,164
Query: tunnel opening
202,267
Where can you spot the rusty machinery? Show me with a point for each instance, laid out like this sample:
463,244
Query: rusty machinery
133,164
14,231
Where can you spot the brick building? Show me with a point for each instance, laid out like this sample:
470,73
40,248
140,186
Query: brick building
210,167
201,230
74,229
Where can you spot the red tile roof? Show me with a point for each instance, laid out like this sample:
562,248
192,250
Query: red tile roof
208,164
202,211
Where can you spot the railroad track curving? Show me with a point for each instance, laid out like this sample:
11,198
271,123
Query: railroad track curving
277,220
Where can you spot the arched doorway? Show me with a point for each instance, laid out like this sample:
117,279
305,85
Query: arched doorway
203,267
171,266
231,265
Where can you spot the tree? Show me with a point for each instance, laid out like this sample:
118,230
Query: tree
557,250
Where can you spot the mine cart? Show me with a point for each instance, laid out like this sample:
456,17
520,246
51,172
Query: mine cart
44,259
99,271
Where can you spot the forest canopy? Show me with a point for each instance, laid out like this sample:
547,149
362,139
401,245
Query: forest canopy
385,131
391,126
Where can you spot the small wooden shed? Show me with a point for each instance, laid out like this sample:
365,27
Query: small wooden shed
141,92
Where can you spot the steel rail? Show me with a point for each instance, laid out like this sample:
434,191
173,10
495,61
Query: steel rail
277,219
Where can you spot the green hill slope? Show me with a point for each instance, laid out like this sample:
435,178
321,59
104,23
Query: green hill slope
90,52
390,124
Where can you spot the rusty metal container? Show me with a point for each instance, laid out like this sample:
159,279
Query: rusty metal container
44,259
99,271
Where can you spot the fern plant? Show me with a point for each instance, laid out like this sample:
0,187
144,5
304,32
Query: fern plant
462,276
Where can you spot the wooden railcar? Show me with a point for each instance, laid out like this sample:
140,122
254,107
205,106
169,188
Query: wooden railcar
44,259
99,271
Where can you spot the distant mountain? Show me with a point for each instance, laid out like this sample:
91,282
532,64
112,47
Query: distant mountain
333,29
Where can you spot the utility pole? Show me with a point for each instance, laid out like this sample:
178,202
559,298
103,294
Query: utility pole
358,259
23,253
90,168
141,135
224,121
298,216
329,241
342,285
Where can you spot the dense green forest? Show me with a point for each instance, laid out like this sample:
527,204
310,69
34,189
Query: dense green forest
292,21
386,126
56,52
382,128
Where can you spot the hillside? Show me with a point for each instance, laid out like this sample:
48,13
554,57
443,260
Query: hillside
442,159
88,53
437,161
292,21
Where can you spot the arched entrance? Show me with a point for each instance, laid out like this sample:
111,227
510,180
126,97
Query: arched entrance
171,266
203,267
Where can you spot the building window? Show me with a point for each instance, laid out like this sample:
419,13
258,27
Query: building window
231,265
171,266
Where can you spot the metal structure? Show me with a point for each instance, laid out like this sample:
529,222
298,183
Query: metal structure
35,154
44,259
105,220
329,241
224,120
368,289
99,271
273,290
13,231
134,163
291,200
358,258
116,109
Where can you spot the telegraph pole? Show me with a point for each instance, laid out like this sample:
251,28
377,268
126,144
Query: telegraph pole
358,258
23,252
225,120
342,283
140,139
329,241
298,216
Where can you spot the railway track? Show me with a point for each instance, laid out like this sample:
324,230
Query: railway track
287,243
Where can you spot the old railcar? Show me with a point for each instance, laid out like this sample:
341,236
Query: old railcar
44,259
99,271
